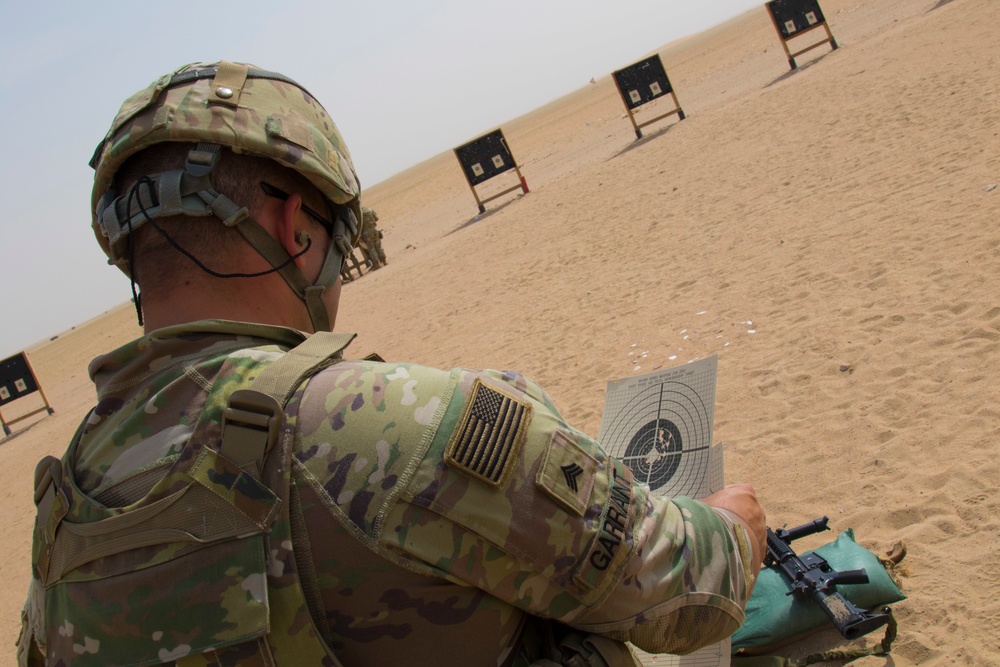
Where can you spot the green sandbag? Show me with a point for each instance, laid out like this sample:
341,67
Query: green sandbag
774,616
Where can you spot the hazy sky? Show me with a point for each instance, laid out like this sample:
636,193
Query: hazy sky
403,80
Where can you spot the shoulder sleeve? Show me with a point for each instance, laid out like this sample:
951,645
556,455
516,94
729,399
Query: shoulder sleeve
509,498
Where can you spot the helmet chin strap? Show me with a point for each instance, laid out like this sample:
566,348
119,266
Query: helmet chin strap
328,275
311,293
189,191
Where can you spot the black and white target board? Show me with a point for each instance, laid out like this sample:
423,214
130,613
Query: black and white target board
643,82
17,380
485,157
660,426
794,18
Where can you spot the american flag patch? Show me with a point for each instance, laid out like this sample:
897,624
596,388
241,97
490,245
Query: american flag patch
488,438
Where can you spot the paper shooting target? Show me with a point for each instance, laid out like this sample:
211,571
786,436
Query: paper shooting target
793,16
660,426
483,158
16,378
643,81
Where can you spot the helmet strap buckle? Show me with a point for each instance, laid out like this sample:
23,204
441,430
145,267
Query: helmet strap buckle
201,159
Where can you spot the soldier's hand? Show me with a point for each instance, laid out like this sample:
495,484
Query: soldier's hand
741,500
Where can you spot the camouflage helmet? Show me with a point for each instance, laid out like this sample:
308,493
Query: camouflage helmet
212,105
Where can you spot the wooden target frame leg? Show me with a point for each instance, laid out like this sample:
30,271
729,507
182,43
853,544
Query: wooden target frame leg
479,202
6,424
678,111
47,408
677,103
354,261
346,273
635,126
788,52
38,384
829,40
524,183
631,114
784,42
472,188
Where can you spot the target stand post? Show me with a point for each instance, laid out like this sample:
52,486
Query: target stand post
17,380
795,18
347,271
485,157
641,83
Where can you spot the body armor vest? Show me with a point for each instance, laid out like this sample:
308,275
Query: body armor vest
205,558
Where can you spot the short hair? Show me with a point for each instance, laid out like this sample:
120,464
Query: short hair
158,264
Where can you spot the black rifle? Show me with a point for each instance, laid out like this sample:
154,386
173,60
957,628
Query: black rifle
812,577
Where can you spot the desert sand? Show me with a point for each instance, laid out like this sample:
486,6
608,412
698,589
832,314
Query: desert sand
830,233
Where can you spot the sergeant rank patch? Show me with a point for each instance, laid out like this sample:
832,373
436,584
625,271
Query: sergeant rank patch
567,473
487,440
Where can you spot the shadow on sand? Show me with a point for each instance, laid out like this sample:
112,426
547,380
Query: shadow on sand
645,140
801,68
5,439
483,216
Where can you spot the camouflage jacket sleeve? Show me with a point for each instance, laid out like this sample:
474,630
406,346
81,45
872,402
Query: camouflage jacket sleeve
475,478
32,627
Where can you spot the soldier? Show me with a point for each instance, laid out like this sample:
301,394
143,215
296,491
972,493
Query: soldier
371,238
243,495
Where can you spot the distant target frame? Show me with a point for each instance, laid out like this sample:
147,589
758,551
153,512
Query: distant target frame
485,157
794,18
641,83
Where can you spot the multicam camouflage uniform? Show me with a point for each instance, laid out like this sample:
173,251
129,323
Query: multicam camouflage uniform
399,513
371,237
437,517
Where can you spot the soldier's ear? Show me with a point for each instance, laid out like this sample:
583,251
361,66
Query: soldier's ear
291,232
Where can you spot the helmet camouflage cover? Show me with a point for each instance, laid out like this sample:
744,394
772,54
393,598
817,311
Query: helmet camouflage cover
252,112
242,107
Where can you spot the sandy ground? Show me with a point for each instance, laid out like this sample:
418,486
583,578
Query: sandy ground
830,233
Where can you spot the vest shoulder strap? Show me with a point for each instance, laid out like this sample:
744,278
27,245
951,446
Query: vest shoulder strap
254,416
251,424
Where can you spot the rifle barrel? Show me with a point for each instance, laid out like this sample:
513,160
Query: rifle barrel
816,526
